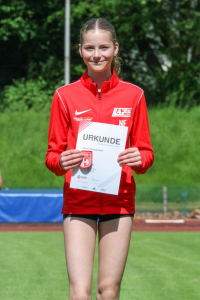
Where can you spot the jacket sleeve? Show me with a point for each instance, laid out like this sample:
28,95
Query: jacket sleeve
140,137
57,138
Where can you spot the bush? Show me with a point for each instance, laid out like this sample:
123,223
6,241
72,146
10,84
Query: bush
24,95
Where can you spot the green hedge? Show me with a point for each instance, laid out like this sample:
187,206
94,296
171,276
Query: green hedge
174,134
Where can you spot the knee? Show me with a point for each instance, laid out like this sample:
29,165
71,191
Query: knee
80,294
108,292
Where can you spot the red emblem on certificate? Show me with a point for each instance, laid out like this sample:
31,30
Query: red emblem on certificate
87,159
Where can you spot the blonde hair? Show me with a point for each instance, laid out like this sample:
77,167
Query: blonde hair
103,24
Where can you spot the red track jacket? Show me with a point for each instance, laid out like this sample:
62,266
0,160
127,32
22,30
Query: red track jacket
119,103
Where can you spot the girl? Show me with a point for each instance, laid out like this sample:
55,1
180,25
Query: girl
99,96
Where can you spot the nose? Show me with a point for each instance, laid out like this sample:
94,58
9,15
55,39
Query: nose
97,53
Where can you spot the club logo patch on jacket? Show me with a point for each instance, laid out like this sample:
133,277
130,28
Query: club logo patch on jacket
122,112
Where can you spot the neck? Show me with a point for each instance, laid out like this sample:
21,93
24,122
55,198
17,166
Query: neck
100,77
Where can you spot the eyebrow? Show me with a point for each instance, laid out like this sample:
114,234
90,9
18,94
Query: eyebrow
90,45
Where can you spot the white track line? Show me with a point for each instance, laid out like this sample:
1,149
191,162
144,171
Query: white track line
164,221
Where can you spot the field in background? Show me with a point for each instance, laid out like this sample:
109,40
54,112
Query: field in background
162,265
174,133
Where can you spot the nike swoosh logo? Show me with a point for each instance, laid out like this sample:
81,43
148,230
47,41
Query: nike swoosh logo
81,112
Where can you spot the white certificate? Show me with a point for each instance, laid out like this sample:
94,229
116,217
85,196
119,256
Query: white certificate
106,142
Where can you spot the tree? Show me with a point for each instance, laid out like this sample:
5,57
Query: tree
159,43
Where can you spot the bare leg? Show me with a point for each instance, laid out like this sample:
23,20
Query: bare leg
80,238
114,240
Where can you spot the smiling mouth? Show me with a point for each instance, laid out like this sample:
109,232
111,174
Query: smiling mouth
97,62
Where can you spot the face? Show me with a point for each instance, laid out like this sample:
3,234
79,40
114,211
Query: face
98,50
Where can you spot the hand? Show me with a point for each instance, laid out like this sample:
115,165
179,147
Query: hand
130,157
70,159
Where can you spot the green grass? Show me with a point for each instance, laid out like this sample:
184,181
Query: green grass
176,142
23,148
160,266
174,133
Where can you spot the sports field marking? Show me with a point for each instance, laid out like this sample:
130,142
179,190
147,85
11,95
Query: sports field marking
164,221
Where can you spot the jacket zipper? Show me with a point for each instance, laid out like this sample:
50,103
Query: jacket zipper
100,117
100,106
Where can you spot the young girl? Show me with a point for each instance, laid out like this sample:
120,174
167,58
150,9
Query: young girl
99,96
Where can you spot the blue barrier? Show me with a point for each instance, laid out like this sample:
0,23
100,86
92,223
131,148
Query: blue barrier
18,206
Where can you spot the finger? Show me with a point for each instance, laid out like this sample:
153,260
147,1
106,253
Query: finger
71,157
131,160
129,155
137,164
67,168
72,162
129,150
71,152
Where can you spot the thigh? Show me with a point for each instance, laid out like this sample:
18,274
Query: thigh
79,238
114,240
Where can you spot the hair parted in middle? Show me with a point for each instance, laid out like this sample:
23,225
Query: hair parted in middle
102,24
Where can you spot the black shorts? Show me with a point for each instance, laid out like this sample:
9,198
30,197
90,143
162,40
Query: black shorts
99,218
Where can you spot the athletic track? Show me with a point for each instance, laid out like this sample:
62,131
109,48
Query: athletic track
138,225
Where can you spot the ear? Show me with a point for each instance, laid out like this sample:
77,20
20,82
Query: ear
116,49
80,49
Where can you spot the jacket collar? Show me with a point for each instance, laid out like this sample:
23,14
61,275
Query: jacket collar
106,86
